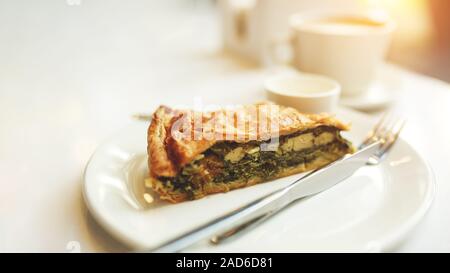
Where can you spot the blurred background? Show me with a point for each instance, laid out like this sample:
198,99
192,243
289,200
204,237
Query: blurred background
421,42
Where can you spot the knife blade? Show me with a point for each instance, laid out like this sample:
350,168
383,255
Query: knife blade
310,184
260,209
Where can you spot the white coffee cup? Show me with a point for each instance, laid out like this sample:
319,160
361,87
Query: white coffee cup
249,26
346,47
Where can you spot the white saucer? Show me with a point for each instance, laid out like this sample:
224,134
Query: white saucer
383,92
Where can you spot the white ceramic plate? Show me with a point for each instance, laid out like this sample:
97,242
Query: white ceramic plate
371,211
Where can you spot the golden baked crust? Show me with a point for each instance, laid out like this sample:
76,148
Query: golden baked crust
176,144
168,152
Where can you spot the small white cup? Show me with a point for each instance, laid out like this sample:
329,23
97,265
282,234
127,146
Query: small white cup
347,52
307,93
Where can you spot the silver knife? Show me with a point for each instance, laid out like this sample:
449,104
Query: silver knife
258,210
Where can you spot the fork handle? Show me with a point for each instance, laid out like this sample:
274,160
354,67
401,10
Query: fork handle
240,230
256,209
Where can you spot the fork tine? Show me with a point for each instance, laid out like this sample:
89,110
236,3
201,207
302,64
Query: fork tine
391,137
386,131
374,132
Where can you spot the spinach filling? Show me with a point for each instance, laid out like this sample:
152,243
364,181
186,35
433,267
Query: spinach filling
251,162
268,164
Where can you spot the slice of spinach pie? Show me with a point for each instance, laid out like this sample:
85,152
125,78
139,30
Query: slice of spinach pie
194,154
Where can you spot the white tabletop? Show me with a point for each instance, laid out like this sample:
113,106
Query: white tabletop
71,75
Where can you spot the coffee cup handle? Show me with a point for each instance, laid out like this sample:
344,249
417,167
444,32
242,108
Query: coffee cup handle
240,18
237,19
281,51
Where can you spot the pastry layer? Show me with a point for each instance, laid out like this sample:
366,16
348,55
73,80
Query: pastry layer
169,153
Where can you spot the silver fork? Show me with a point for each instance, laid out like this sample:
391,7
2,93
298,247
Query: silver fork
386,131
373,149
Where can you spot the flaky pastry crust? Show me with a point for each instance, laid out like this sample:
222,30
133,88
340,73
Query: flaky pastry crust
168,153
